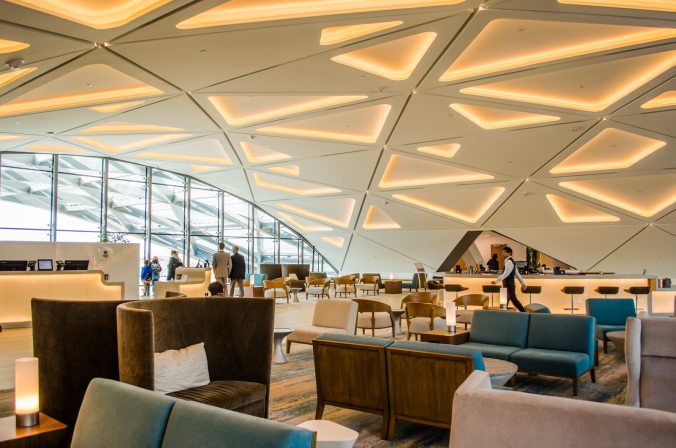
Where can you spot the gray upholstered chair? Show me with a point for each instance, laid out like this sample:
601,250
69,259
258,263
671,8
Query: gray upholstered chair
330,316
238,347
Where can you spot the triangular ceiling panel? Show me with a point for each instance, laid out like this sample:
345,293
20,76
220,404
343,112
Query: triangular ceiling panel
336,211
210,153
631,257
364,255
333,246
121,144
54,146
570,211
661,122
268,187
661,98
407,217
377,219
343,33
34,46
669,228
232,181
579,246
9,141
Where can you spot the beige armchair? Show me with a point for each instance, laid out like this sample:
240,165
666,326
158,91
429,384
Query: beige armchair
274,289
315,286
370,284
330,316
374,315
550,421
420,297
473,300
422,317
650,350
347,284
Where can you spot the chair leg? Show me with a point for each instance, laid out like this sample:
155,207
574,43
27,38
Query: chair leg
288,346
408,336
596,354
605,346
391,427
512,381
575,387
320,410
592,372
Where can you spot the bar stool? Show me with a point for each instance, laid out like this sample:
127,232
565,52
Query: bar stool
637,291
607,290
493,289
572,290
530,290
455,288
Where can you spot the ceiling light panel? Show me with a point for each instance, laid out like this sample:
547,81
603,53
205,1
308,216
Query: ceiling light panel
127,128
337,34
336,241
403,171
571,212
650,5
154,155
395,59
357,125
11,46
247,11
287,170
507,44
119,145
490,118
90,84
117,107
100,15
303,225
590,88
376,219
334,211
54,149
8,138
261,154
295,187
11,76
665,99
644,196
245,110
610,149
446,151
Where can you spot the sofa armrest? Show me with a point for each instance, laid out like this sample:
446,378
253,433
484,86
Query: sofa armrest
136,347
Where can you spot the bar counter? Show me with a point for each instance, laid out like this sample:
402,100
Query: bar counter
551,295
18,288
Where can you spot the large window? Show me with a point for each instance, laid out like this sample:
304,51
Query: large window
73,198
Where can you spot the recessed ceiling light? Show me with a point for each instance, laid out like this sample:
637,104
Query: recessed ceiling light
479,209
11,76
343,221
571,212
337,34
651,5
376,219
247,11
303,225
300,188
610,149
490,118
127,128
117,107
664,99
288,170
138,144
189,158
336,241
446,151
11,46
99,15
260,154
55,149
403,171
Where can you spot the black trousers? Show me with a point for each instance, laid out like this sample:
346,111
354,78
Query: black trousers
511,296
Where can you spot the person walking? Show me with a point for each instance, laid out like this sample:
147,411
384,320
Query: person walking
507,278
222,264
157,268
146,277
174,262
238,272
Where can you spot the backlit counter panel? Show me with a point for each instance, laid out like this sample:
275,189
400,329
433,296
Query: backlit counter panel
194,283
18,288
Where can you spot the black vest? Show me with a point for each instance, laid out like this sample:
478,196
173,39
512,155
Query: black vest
508,282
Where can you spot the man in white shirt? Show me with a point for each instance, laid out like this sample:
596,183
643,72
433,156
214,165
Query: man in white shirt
507,278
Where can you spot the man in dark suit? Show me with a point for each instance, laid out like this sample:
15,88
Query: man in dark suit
238,272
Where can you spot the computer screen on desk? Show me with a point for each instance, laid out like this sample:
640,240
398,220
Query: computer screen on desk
45,265
76,265
13,265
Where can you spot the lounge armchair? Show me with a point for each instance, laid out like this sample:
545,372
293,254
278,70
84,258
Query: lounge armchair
274,289
347,284
610,315
330,316
374,315
420,297
418,281
478,301
370,284
422,317
316,286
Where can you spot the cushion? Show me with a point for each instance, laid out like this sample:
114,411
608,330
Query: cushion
657,337
383,320
561,332
554,362
446,349
422,324
600,331
194,424
611,311
316,290
224,394
657,389
335,313
493,351
354,339
305,335
345,288
181,369
500,328
275,292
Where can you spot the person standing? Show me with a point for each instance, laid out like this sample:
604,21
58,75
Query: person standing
238,272
493,264
174,262
146,277
507,278
222,264
157,268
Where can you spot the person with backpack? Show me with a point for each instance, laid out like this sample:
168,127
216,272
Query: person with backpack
146,277
156,268
174,262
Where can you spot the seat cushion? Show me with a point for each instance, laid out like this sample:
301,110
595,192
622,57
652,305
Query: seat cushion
305,335
600,331
316,290
561,332
345,288
383,320
275,292
500,328
555,362
422,324
224,394
493,351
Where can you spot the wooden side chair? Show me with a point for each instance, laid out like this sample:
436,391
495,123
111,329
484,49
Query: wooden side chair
420,297
347,284
373,314
476,300
370,283
316,286
422,317
276,288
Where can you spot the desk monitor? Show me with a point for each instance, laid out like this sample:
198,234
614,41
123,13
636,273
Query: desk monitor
76,265
13,265
45,265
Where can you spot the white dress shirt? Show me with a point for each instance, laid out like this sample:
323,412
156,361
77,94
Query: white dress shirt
509,266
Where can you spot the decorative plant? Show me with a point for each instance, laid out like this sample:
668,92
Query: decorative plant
532,259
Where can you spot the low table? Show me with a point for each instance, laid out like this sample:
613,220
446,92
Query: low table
444,337
393,286
48,433
278,356
330,434
295,291
500,371
617,338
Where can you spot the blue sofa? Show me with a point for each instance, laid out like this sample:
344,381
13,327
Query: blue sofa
116,415
549,344
610,315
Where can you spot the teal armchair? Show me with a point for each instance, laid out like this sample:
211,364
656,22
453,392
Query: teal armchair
610,315
414,284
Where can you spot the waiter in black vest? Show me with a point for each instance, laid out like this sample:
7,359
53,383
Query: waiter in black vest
507,278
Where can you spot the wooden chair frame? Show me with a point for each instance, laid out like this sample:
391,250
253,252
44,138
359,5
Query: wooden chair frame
373,307
425,310
275,284
346,280
317,281
371,280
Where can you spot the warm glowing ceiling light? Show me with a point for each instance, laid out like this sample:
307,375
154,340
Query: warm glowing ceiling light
445,151
344,222
55,149
663,100
590,88
572,212
10,46
483,208
139,144
402,171
184,158
9,138
506,44
204,168
490,118
376,219
303,225
303,189
127,128
11,76
282,106
610,149
631,194
100,15
337,34
118,107
395,59
337,241
247,11
260,154
651,5
288,170
357,126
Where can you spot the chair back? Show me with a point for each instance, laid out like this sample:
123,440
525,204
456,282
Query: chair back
318,274
370,279
610,311
174,294
472,300
372,306
422,297
336,314
316,281
346,280
274,284
420,309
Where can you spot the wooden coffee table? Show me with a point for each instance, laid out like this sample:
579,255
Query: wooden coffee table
393,286
500,371
48,433
444,337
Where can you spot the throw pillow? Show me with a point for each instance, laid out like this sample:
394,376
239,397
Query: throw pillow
181,369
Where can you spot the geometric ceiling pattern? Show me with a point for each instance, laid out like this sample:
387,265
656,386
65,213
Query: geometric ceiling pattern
381,130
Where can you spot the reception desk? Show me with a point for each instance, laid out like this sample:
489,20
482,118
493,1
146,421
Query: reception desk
18,288
551,295
194,282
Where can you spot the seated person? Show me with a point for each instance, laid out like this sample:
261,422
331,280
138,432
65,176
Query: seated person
216,289
493,263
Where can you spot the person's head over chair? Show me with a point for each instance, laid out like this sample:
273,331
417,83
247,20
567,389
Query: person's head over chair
216,289
494,257
507,251
174,253
235,249
221,246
